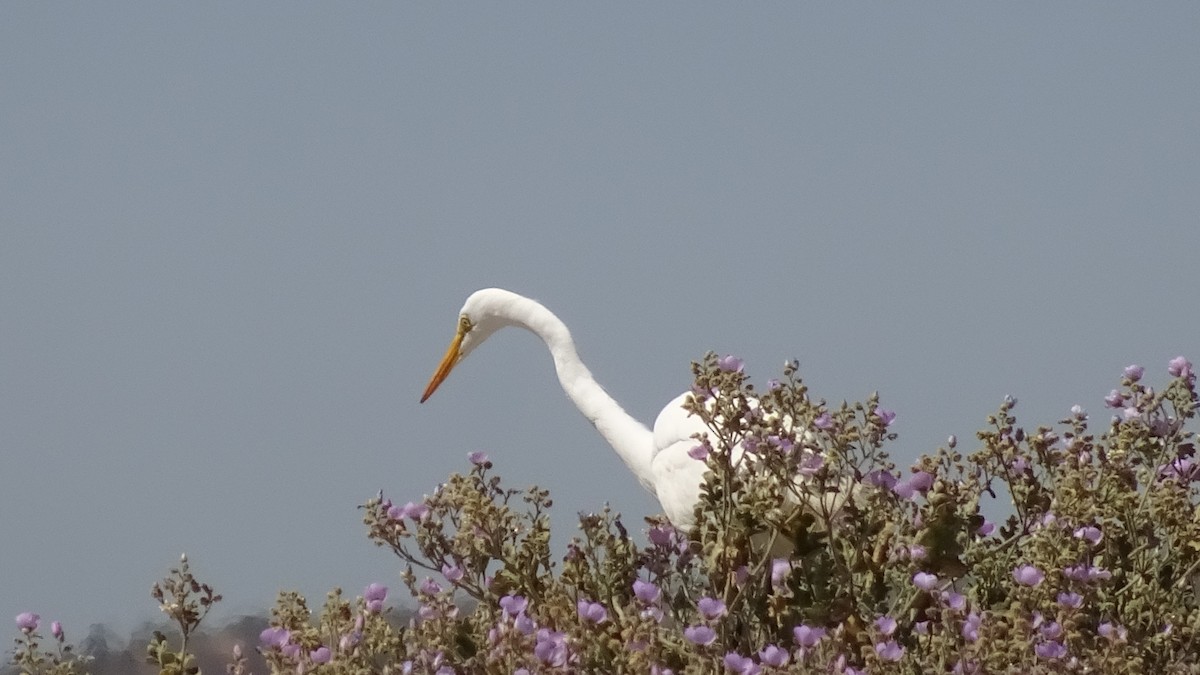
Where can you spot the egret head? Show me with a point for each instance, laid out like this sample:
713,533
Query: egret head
484,313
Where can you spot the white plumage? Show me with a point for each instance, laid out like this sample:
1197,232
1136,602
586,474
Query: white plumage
658,459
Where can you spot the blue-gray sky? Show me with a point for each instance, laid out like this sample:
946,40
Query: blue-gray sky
234,239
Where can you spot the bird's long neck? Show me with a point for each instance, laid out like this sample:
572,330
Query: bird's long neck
632,441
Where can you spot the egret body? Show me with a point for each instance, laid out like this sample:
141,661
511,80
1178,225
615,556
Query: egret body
658,458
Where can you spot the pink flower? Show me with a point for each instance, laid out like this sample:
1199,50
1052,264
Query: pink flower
742,665
28,622
1180,367
274,637
730,364
1028,575
807,636
886,625
773,656
410,511
711,608
646,591
513,604
374,595
1092,534
592,612
889,651
699,635
925,581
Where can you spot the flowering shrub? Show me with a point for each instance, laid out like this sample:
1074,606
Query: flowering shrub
812,553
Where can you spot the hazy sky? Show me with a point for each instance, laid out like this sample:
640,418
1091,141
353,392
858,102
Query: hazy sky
234,239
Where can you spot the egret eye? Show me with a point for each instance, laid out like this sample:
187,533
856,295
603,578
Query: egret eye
464,324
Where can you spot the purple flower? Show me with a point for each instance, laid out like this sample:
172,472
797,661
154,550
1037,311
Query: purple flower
699,635
1078,412
1115,399
429,587
807,636
28,622
921,627
1070,600
1092,534
921,481
1112,632
711,608
730,364
1051,631
478,458
1051,651
1134,372
773,656
374,595
742,665
986,528
781,568
970,627
699,451
524,624
290,650
56,630
1182,469
646,591
427,613
320,655
1180,367
885,416
551,648
274,637
889,651
1086,573
880,479
661,535
453,573
1028,575
592,612
823,421
916,552
955,601
513,604
410,510
925,581
886,625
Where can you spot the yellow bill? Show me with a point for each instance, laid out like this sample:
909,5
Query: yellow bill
444,368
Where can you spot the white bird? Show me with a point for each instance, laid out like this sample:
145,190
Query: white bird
658,458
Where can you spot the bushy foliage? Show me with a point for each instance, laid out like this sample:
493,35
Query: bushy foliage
811,553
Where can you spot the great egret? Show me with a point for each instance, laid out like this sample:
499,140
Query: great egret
659,458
